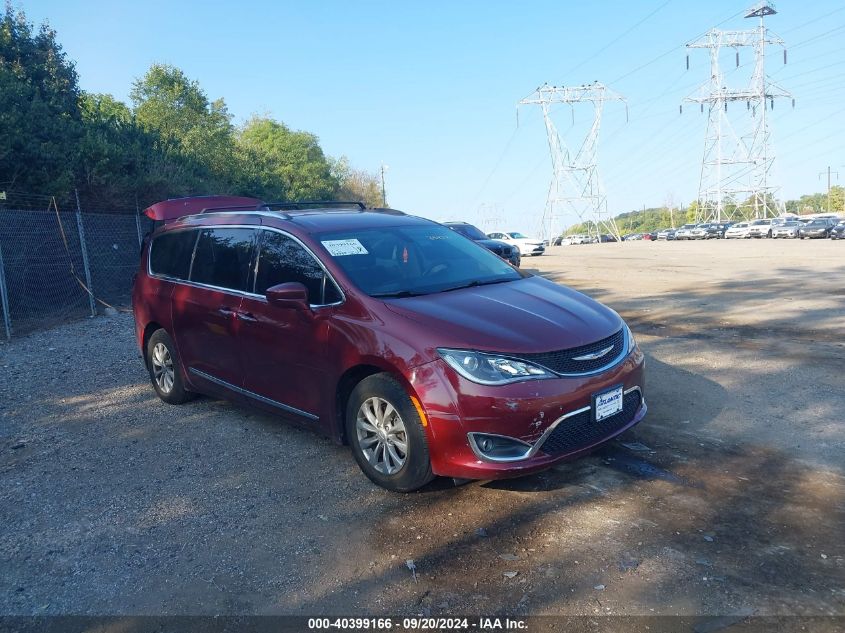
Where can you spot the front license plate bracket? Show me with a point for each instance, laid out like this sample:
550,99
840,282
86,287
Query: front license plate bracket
607,403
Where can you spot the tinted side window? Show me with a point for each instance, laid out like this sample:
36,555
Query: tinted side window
282,260
223,257
170,254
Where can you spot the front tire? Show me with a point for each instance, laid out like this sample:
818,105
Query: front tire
387,436
164,367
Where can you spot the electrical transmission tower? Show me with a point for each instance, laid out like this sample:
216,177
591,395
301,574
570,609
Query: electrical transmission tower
491,216
575,187
735,167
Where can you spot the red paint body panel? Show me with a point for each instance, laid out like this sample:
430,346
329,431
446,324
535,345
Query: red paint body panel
271,354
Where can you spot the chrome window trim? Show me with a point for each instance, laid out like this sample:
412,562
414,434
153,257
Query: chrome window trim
252,394
536,446
232,291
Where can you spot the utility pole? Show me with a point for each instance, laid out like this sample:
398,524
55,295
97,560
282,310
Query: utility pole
737,163
821,173
575,185
383,194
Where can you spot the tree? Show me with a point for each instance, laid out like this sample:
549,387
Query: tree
287,160
173,106
40,120
356,184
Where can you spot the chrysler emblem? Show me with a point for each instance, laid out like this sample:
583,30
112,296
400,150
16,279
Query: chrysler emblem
595,355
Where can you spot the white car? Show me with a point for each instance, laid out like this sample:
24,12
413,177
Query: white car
760,228
579,238
738,230
526,245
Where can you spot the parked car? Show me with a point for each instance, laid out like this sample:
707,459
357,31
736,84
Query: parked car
666,234
783,219
820,228
723,228
838,231
738,230
788,229
419,348
606,237
580,238
760,228
525,245
684,232
506,251
708,231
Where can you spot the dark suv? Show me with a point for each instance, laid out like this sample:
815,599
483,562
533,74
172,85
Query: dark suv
424,351
505,251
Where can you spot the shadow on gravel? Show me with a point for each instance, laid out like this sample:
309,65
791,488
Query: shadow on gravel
141,508
698,312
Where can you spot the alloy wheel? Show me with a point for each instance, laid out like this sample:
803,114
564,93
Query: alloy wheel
163,367
381,435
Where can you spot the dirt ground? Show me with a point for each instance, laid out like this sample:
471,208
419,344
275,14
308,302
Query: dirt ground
729,499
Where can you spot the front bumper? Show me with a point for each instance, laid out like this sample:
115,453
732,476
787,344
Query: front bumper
533,412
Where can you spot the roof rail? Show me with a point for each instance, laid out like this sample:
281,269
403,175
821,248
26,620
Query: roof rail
314,204
245,207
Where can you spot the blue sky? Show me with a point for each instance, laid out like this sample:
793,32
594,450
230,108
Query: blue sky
430,88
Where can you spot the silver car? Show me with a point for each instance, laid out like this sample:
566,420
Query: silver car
738,230
685,232
787,229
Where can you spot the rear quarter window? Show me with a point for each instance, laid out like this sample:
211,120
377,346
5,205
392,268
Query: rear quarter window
170,254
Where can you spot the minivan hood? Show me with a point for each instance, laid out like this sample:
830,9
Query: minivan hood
523,316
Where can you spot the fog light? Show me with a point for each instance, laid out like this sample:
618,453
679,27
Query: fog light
497,448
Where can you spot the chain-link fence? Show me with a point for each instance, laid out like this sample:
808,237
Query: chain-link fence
57,266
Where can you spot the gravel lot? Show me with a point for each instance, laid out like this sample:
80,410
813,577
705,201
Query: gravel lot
728,499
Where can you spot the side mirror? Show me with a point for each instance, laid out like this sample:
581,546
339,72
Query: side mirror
288,295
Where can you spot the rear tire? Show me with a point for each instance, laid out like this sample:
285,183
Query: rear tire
165,369
386,435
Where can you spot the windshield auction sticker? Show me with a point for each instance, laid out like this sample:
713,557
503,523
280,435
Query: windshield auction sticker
340,248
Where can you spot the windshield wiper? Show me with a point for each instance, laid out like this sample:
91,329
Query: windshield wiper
397,295
475,283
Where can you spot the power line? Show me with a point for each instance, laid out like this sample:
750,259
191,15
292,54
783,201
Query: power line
616,39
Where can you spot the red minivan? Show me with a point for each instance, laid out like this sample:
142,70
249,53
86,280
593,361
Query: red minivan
425,352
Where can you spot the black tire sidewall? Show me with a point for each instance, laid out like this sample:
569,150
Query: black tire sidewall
416,472
178,394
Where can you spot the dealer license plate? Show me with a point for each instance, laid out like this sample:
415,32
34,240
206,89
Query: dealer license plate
607,403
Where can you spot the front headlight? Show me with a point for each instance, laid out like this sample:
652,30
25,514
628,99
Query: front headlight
491,369
629,335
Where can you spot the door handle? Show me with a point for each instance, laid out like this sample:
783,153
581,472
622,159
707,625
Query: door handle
226,312
246,316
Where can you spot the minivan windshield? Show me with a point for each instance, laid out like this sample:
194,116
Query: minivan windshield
405,261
